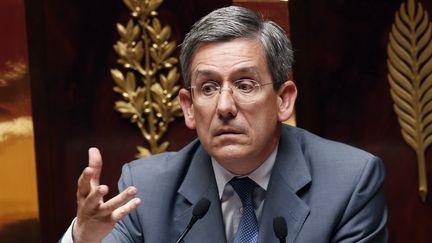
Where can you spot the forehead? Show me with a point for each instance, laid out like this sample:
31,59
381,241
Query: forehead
238,55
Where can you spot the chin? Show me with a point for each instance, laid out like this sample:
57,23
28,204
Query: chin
231,153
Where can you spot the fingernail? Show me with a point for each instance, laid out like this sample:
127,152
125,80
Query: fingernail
102,189
137,201
132,191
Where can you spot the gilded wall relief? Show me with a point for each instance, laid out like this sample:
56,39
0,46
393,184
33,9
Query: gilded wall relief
18,195
18,191
410,77
19,211
148,78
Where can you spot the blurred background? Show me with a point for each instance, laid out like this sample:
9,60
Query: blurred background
57,99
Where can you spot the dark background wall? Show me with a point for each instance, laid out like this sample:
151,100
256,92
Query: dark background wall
340,71
71,54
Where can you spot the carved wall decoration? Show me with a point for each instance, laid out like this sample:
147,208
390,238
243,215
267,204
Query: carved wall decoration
14,71
148,78
18,198
410,77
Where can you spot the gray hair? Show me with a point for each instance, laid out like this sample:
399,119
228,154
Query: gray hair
234,22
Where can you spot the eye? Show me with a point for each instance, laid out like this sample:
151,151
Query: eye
209,88
245,85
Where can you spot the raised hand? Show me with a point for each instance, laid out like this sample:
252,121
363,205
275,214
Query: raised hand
96,218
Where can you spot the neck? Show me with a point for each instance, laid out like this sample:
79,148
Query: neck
246,166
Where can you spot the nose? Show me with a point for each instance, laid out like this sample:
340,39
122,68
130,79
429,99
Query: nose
226,106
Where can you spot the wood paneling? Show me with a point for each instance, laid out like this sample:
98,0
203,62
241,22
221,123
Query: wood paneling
340,70
18,189
341,73
70,51
274,10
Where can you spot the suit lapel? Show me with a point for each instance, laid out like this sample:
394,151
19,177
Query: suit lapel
199,182
289,175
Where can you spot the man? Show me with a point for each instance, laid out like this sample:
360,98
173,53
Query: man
251,167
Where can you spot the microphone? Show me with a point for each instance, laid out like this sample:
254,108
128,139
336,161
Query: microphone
200,209
280,228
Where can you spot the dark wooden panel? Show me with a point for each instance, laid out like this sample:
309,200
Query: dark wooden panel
341,74
340,70
70,51
274,10
18,195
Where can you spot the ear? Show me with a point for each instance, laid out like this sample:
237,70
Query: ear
186,105
287,95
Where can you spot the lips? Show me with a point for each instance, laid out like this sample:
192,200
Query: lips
227,131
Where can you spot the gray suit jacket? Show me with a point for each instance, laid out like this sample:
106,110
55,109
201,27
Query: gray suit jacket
326,191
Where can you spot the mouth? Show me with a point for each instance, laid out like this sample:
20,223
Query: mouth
228,131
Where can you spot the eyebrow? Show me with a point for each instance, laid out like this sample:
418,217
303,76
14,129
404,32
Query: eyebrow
242,70
204,72
251,69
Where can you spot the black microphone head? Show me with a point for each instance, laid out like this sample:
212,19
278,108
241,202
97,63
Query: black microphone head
280,227
201,207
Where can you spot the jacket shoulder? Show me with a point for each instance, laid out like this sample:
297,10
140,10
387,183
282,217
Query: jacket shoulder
168,166
322,149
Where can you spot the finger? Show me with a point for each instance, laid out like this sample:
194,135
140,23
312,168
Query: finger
124,210
94,199
117,201
84,186
95,162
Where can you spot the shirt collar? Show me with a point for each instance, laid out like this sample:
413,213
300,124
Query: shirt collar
261,175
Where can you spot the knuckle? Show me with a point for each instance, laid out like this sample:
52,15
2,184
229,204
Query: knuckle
110,208
119,213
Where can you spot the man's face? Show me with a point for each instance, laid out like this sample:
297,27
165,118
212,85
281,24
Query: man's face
239,136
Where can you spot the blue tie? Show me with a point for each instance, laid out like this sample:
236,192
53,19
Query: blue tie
248,227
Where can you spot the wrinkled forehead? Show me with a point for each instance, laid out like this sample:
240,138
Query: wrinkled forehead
254,40
241,56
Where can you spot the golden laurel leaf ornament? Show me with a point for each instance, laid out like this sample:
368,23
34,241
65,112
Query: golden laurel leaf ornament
148,78
14,70
410,76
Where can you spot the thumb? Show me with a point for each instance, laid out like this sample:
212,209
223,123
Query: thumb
95,162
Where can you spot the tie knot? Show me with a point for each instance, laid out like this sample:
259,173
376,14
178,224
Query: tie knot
244,188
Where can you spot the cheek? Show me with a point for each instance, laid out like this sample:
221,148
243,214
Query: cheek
262,120
203,119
